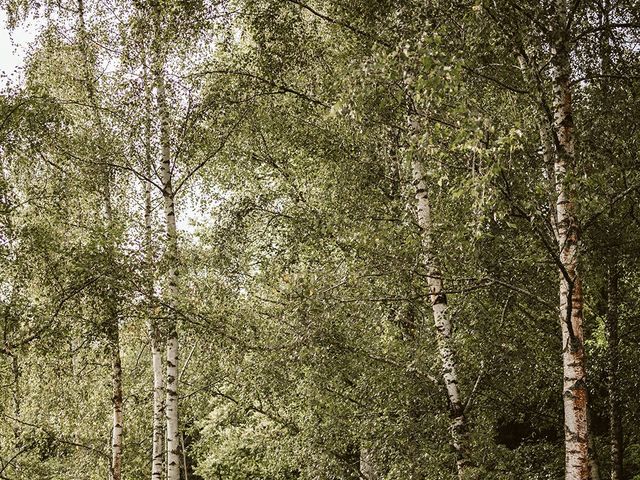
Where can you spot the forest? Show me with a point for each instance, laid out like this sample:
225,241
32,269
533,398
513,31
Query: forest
321,240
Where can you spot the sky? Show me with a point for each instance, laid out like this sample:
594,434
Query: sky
13,46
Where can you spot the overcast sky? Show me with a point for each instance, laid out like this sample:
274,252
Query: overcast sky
13,45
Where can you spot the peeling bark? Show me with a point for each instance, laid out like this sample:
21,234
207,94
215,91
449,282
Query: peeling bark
577,465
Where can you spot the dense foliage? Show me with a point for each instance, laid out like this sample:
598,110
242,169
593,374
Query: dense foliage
332,164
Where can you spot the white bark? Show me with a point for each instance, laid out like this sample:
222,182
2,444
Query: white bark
171,252
577,464
367,469
616,444
118,415
157,455
157,452
442,319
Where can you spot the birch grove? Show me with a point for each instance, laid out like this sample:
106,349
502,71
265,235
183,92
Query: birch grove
384,211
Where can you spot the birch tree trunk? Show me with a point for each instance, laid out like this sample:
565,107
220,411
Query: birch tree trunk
157,459
155,334
577,465
118,414
443,322
112,328
171,255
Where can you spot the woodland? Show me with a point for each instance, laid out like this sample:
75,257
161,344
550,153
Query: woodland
321,240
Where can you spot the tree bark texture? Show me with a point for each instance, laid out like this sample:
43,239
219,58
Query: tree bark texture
171,255
577,464
443,322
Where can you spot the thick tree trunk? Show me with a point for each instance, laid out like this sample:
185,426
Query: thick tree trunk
571,301
116,363
613,364
173,435
443,322
171,407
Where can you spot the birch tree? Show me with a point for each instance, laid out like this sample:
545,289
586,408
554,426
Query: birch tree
443,321
171,255
571,298
111,308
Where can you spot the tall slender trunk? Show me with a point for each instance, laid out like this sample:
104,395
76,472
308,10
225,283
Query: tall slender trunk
155,334
577,465
613,364
157,459
118,414
443,322
112,327
171,252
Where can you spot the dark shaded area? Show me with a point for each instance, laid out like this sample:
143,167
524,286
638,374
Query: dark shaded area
513,433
